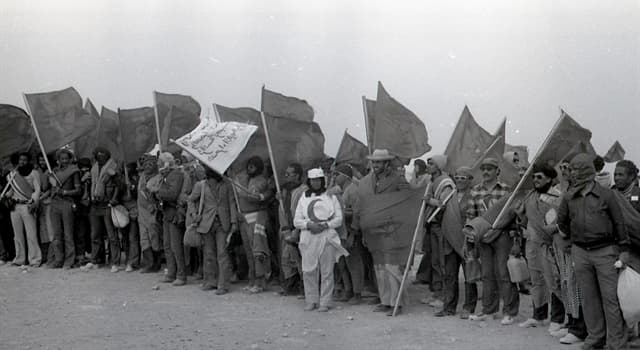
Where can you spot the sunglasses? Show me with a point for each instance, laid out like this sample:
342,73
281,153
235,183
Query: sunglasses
460,177
564,167
538,177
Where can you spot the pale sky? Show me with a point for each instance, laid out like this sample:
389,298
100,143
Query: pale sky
519,59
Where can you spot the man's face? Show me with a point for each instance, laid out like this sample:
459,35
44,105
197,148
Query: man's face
22,161
315,184
150,167
101,158
540,180
432,167
489,173
379,166
340,179
41,163
252,170
291,177
565,171
462,181
622,178
64,159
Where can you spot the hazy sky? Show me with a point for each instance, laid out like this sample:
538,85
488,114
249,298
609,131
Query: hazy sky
519,59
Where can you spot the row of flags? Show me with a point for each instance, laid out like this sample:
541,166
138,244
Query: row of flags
59,118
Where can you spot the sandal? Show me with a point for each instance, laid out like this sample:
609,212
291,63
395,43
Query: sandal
256,290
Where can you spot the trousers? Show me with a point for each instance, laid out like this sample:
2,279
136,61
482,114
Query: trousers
100,221
496,281
62,220
24,224
217,264
319,283
172,236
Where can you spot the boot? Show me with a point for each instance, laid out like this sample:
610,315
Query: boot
148,260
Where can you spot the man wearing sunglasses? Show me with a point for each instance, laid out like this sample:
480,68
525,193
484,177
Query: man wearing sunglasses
540,253
494,248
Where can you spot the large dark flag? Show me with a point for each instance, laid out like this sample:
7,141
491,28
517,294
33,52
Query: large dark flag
352,151
85,145
59,117
185,116
615,153
279,105
291,140
109,133
16,133
468,142
137,127
397,129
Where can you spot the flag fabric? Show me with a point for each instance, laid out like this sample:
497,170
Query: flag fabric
217,144
568,139
468,142
352,151
59,117
615,153
85,145
137,127
109,133
397,129
279,105
180,123
16,133
370,115
292,140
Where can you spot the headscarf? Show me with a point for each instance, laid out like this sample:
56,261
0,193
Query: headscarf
439,160
582,172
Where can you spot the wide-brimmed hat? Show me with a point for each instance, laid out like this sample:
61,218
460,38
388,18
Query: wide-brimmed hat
380,154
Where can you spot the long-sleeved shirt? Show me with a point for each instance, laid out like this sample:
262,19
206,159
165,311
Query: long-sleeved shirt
593,219
482,198
33,179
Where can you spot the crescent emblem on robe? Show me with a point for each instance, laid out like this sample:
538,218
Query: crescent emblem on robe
310,211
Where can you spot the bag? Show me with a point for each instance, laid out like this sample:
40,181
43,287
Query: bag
193,238
628,295
472,271
518,270
119,216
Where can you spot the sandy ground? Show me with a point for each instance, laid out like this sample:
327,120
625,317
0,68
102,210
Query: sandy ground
56,309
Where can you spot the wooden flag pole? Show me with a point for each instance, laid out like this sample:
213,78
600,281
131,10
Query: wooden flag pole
366,123
272,159
35,129
527,173
6,187
413,244
155,112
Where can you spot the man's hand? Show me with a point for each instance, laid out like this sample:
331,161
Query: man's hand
469,233
516,250
234,228
316,227
624,258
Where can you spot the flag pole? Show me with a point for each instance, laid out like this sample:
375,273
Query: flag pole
6,187
216,113
527,173
486,152
124,158
366,123
35,129
272,159
155,112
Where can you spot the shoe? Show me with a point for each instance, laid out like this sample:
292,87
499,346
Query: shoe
570,339
507,321
207,286
198,277
67,267
88,266
374,301
115,268
560,333
478,317
256,290
310,307
323,308
2,262
529,323
464,315
554,327
54,266
345,297
586,346
390,312
356,300
221,291
443,313
381,308
167,279
178,283
129,268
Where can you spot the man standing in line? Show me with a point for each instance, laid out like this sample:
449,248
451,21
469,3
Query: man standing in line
495,247
150,242
25,195
168,193
592,218
216,222
62,213
253,205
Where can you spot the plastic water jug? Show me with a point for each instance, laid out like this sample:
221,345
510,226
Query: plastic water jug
518,270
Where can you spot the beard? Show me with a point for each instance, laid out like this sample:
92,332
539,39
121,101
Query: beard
25,170
544,188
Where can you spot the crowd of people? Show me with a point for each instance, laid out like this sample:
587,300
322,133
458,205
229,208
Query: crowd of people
321,237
